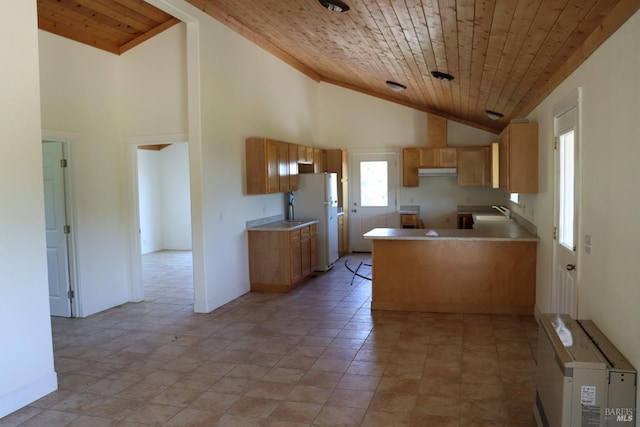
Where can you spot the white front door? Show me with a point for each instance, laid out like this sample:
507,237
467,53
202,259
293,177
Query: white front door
374,185
566,213
55,222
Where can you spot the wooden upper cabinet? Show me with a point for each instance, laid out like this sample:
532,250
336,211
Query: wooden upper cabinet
474,166
319,160
410,164
518,158
436,131
438,157
267,166
305,155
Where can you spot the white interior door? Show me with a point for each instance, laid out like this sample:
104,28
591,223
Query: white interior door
55,222
566,213
374,186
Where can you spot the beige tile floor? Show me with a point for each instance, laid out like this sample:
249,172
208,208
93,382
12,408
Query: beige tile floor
316,356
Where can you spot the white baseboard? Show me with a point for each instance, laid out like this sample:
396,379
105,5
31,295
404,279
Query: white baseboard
17,399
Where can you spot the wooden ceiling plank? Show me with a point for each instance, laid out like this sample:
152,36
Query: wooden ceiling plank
81,12
465,15
138,9
83,23
75,35
520,29
121,14
412,51
387,44
149,34
484,11
449,19
567,22
419,21
431,10
545,19
502,16
618,15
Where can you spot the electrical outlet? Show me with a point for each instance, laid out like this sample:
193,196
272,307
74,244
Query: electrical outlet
587,243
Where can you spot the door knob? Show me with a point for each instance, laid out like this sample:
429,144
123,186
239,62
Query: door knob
571,267
354,210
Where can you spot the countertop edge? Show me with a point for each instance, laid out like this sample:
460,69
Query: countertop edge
283,225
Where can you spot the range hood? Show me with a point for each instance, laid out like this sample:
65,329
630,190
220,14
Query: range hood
437,172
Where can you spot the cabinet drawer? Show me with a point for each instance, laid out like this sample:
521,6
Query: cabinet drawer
294,235
304,233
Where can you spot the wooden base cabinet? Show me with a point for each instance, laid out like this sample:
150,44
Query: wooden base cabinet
280,260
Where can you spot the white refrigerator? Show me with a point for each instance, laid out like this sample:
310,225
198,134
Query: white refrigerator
317,198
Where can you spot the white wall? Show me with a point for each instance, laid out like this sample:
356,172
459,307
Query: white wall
244,92
176,200
164,201
80,95
26,359
154,85
355,121
150,200
609,290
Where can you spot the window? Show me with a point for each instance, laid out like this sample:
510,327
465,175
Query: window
515,198
566,226
374,183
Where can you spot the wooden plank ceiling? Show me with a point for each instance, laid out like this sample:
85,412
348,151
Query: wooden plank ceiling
504,55
112,25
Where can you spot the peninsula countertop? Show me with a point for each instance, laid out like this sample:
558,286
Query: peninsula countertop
485,231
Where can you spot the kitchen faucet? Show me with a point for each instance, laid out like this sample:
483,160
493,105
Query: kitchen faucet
504,211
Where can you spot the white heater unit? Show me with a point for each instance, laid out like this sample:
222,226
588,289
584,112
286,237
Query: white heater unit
582,380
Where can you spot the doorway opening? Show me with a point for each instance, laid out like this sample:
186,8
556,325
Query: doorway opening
164,222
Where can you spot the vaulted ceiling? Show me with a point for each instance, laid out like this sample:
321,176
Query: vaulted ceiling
504,55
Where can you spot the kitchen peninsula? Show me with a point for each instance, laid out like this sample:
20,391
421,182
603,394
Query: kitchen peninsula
490,269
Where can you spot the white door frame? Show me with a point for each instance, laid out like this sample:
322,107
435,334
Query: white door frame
69,140
573,100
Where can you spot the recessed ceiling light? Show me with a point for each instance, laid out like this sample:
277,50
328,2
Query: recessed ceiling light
442,76
334,5
396,87
494,115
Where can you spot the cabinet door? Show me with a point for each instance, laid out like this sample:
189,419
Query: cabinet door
318,160
504,159
410,163
429,158
283,167
293,167
295,256
305,251
474,166
313,246
273,174
447,157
